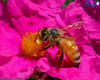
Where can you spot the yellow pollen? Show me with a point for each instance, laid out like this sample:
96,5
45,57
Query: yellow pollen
35,55
38,41
32,45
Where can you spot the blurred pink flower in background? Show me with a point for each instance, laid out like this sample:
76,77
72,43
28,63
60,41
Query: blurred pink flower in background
21,16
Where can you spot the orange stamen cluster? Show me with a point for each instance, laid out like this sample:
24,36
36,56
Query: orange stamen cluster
32,46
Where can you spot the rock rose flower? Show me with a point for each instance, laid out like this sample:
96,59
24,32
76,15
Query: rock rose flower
24,16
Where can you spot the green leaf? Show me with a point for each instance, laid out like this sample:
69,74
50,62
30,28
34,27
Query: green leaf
5,1
56,79
67,2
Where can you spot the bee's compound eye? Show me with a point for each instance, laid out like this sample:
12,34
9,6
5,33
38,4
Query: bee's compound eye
43,33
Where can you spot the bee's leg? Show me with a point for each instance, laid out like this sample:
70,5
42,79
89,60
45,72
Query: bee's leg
48,46
58,53
44,40
52,45
36,37
37,34
43,44
45,48
60,60
39,29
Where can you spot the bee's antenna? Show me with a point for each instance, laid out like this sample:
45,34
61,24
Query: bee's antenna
36,37
39,29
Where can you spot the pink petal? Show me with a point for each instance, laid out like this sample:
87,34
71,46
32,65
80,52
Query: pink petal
10,41
17,67
50,3
4,16
28,16
89,49
91,8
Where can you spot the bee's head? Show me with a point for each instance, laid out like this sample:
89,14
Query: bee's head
53,32
44,33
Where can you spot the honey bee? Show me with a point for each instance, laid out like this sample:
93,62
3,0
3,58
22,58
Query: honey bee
65,44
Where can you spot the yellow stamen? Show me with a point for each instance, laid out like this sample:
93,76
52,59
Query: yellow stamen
32,44
35,55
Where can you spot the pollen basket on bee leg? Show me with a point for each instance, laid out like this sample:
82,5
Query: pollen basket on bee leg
32,44
38,41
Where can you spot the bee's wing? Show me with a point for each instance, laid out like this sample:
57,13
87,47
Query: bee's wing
68,38
77,25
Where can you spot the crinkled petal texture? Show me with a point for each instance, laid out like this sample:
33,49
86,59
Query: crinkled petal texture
11,65
87,39
17,18
91,8
29,16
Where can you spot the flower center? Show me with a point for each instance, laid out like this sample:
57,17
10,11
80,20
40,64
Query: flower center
32,45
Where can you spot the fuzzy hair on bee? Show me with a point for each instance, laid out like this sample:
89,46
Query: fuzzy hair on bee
65,44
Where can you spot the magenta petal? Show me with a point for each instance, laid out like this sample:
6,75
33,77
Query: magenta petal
89,48
17,67
26,15
91,8
43,64
20,12
61,75
9,41
13,66
12,8
4,60
50,3
4,16
95,41
72,13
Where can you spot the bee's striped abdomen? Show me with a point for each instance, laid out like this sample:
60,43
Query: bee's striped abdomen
71,51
